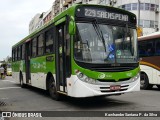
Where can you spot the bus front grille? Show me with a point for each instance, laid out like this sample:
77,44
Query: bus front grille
112,80
107,89
112,69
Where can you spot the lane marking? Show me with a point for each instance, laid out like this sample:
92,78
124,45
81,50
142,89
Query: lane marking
8,81
3,98
6,88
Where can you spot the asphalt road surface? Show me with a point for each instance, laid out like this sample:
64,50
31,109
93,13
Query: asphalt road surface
15,98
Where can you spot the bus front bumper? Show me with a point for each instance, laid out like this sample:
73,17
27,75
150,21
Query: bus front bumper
78,88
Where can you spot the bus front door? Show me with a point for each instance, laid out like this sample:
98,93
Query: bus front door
60,58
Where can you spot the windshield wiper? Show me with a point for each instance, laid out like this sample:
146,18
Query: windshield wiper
124,37
99,32
128,34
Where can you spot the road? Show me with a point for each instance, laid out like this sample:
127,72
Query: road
14,98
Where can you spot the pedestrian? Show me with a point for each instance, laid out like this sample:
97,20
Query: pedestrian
1,72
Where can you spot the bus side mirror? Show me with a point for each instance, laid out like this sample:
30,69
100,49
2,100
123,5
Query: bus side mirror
72,27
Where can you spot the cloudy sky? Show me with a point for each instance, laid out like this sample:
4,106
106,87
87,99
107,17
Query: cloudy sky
15,16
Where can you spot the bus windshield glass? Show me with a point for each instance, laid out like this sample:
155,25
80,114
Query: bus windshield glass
99,43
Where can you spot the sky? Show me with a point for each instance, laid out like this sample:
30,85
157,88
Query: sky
15,16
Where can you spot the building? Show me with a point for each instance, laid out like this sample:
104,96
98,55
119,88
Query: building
58,6
68,3
53,12
47,16
149,19
149,12
33,25
40,19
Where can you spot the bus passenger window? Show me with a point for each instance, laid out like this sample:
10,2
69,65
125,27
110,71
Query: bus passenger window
16,54
23,51
13,55
19,53
157,52
34,47
49,41
149,51
40,44
146,49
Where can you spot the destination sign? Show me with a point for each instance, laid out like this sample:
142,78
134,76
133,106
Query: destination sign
104,13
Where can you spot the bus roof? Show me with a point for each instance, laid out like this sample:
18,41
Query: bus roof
150,36
69,11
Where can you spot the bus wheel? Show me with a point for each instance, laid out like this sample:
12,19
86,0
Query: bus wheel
144,82
53,90
158,86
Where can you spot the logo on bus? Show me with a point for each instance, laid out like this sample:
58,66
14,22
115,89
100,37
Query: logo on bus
129,74
101,76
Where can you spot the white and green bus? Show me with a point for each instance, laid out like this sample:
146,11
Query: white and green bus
87,50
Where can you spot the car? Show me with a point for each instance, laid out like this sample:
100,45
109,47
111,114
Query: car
9,71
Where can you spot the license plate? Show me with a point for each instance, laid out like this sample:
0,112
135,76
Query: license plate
116,87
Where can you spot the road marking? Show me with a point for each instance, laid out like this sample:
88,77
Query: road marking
3,98
8,81
5,88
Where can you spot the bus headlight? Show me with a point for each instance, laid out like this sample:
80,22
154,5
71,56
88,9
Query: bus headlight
136,77
84,78
80,75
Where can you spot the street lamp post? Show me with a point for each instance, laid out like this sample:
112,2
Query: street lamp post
139,29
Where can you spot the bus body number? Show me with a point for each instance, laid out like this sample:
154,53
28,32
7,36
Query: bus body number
90,13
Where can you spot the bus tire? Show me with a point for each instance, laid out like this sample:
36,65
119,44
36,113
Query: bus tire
158,86
144,82
21,81
53,90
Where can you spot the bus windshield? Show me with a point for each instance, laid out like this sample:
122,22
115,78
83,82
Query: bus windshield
99,43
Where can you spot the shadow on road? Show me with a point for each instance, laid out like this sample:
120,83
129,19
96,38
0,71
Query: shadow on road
154,88
88,103
38,91
95,102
